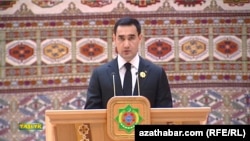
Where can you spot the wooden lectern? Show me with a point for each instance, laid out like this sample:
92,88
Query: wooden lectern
117,122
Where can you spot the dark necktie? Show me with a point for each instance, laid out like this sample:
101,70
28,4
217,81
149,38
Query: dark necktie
127,83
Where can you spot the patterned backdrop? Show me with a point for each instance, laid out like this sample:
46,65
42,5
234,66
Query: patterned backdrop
48,50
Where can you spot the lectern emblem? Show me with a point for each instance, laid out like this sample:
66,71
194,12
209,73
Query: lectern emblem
127,118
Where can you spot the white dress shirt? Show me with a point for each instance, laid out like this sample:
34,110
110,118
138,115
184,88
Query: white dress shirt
134,69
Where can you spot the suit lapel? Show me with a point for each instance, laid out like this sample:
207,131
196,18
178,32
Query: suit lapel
143,70
113,70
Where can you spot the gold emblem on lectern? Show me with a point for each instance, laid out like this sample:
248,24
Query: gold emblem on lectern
127,118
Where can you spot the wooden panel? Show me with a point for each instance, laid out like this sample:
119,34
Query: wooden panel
64,124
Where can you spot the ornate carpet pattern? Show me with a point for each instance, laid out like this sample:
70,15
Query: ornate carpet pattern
48,50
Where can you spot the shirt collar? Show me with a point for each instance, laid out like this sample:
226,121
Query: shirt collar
134,62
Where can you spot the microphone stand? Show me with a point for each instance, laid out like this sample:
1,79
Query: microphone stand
138,84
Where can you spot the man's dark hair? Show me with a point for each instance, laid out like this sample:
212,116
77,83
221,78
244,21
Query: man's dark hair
128,21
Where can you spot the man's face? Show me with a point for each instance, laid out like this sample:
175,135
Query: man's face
127,41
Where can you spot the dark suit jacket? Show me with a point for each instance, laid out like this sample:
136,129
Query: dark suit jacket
154,86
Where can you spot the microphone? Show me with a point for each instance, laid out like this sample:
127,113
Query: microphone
138,84
113,80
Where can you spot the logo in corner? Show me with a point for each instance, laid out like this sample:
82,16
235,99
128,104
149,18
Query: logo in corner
30,126
127,118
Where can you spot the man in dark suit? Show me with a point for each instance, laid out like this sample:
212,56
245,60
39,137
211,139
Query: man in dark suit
107,80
